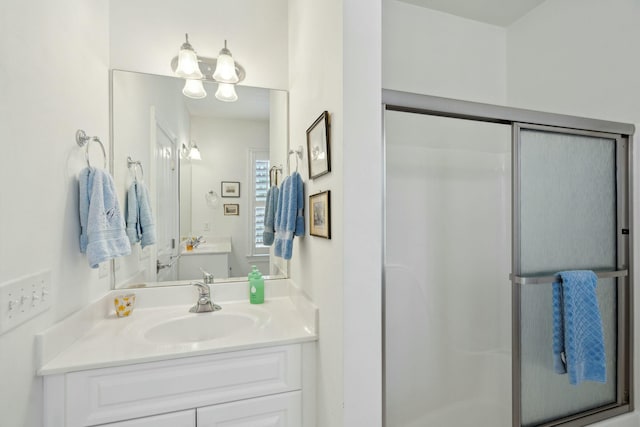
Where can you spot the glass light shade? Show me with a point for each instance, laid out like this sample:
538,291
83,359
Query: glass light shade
188,64
225,68
194,89
226,92
194,153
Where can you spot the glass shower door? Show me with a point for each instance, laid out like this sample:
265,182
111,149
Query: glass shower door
568,204
447,261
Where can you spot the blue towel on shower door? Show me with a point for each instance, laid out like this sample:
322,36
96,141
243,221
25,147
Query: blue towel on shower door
578,340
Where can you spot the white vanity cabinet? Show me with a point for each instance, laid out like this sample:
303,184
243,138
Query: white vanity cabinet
256,387
175,419
280,410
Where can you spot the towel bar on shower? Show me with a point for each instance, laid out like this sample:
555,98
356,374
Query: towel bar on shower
519,280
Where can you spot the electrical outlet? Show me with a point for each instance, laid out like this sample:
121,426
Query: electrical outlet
23,299
207,226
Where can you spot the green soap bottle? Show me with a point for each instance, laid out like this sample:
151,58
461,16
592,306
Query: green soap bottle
256,286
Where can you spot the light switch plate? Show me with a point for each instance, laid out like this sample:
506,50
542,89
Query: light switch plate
23,299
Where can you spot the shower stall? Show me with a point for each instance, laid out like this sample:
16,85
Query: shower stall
484,205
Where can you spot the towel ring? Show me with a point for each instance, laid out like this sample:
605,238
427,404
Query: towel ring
83,141
136,164
273,175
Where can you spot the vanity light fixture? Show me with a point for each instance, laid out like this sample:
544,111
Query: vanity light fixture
226,92
223,70
226,67
191,151
194,88
188,62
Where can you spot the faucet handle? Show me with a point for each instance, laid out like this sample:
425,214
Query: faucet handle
203,289
207,277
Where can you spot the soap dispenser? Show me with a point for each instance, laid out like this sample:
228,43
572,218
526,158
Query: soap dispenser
256,286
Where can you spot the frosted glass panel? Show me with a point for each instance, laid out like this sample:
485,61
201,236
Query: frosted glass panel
448,257
568,221
568,196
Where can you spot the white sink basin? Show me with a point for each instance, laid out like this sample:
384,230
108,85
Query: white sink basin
178,326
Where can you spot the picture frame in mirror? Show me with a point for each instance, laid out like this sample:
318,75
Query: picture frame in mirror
230,189
232,209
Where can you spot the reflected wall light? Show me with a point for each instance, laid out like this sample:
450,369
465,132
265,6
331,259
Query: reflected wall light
191,151
196,69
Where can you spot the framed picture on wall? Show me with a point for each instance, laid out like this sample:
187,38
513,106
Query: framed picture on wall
230,189
318,143
320,214
232,209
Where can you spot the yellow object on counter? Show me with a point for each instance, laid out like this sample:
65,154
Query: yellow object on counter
124,304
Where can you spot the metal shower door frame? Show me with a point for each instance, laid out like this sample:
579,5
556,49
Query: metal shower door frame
529,119
623,274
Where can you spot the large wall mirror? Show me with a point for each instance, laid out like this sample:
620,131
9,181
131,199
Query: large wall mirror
216,198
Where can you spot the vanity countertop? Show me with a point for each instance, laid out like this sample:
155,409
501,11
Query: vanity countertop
210,246
106,341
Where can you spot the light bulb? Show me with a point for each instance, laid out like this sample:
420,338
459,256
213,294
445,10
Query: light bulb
226,92
225,67
194,89
188,62
194,154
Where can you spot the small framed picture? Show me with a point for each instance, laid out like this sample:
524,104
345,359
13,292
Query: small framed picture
230,189
320,214
233,209
318,143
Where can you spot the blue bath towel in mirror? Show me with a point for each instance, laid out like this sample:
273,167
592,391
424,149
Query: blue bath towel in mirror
269,216
140,225
578,340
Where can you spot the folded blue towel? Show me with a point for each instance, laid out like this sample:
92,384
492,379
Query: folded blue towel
102,228
289,218
269,216
578,340
140,225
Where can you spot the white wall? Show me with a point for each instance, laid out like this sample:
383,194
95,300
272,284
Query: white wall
434,53
315,85
362,213
55,82
581,64
135,95
224,146
147,34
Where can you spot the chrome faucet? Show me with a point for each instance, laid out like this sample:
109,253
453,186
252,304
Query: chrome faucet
207,277
197,241
204,303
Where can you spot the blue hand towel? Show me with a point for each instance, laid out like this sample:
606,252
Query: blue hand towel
289,218
102,228
133,230
269,216
140,225
578,340
145,218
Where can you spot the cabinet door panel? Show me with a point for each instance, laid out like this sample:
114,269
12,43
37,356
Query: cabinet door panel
175,419
280,410
106,395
